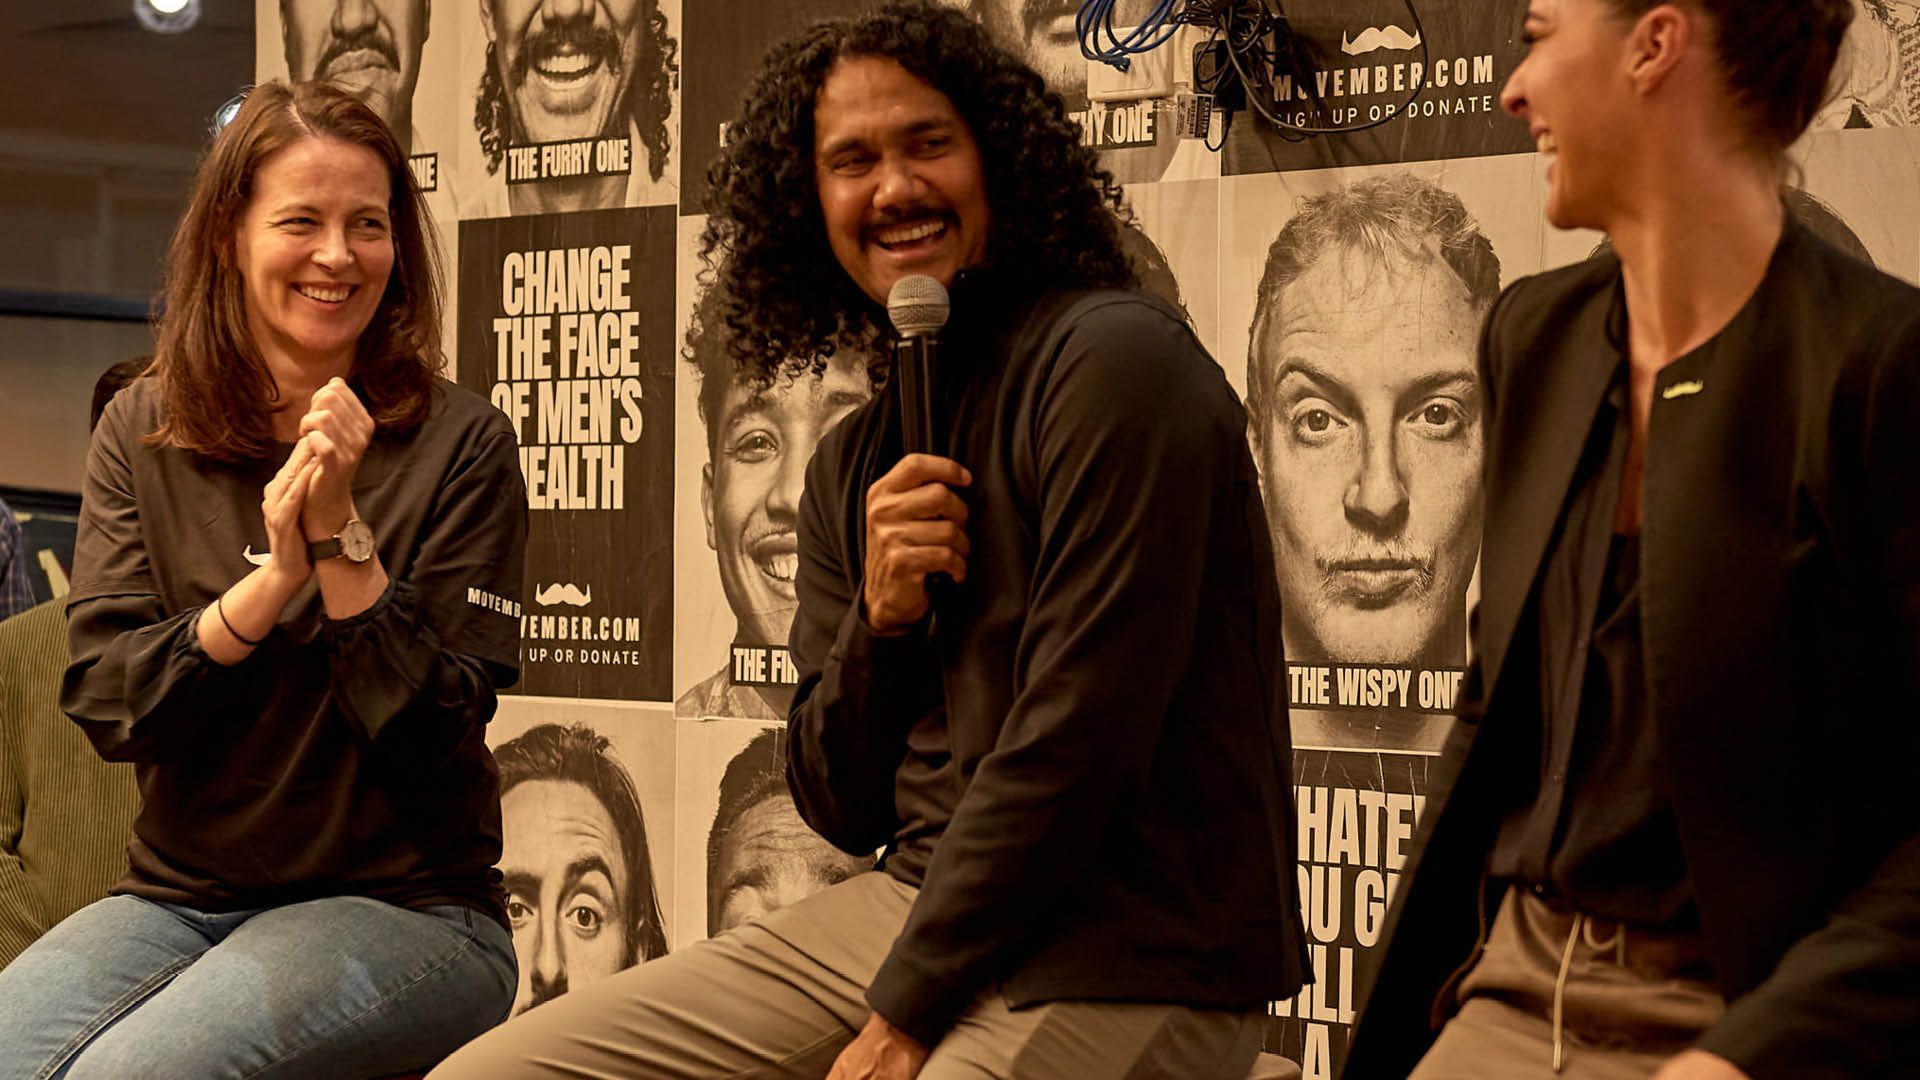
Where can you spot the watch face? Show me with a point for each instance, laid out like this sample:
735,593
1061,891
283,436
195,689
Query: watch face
356,541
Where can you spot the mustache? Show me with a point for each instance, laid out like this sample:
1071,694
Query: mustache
570,36
563,592
894,217
1377,559
1375,38
369,39
780,536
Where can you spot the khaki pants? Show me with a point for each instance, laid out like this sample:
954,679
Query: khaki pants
1627,1000
782,996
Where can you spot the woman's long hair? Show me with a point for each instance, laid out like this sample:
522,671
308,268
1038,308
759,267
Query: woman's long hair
217,392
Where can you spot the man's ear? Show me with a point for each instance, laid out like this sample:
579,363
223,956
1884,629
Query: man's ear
706,502
486,18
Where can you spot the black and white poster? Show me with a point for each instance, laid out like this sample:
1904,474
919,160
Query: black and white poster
742,849
741,468
1357,816
1351,302
567,327
398,56
1130,119
572,107
587,820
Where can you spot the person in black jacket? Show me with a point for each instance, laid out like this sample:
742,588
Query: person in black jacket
1076,757
304,679
1700,612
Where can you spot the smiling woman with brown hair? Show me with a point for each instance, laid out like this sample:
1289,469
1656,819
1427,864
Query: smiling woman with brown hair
303,680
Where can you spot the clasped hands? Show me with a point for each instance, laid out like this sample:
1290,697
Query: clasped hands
311,497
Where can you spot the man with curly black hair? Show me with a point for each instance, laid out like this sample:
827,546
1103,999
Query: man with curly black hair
1077,766
564,71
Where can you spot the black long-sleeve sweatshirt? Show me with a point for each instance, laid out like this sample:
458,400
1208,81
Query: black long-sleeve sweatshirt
1083,761
343,757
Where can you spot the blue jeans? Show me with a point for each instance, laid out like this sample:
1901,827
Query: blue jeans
344,986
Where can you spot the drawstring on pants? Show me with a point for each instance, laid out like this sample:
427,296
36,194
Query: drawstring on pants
1581,930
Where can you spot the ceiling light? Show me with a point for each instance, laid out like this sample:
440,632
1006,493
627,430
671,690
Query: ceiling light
167,16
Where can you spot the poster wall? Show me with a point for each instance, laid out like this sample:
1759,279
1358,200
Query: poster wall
1339,280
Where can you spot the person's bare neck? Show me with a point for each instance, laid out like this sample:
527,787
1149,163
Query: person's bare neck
296,382
1694,245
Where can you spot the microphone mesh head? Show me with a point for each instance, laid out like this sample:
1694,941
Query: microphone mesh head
917,304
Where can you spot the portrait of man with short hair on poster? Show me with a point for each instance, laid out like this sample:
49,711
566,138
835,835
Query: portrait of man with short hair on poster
586,830
1363,294
1351,302
743,850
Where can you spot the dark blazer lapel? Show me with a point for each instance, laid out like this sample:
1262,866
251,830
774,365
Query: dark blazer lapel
1545,415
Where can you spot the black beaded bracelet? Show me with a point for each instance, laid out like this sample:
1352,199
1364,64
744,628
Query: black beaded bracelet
220,610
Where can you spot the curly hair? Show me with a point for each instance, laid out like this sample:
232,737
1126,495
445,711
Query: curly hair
1056,213
649,98
217,392
1399,213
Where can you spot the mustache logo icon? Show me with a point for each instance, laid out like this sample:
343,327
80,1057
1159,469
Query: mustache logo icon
563,592
1375,38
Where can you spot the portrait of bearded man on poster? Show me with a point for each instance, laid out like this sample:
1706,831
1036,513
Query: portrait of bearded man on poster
559,71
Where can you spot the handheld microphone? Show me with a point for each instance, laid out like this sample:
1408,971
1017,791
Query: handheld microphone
918,307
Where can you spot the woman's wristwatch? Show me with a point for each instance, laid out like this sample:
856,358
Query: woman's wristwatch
354,543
